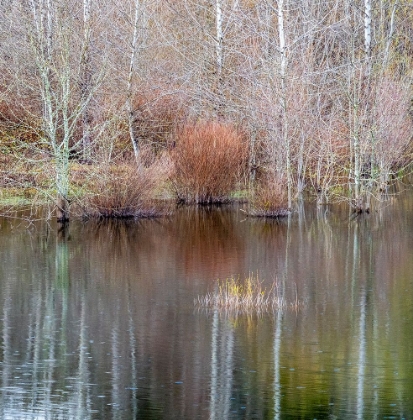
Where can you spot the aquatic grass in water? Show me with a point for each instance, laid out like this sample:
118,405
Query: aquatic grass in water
248,295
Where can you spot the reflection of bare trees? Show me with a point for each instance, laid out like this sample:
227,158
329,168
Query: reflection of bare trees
133,360
116,367
362,356
222,348
6,349
102,320
37,356
81,394
277,370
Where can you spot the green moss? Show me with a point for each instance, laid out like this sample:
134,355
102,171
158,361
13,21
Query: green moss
17,197
240,194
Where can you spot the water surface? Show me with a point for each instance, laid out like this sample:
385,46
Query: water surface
100,322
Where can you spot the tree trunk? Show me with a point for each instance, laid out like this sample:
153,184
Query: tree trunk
283,77
62,209
129,101
219,39
86,82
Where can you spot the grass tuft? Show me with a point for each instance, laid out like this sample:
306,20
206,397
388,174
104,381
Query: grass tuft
244,296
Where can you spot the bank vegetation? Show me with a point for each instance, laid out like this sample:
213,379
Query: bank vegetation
112,109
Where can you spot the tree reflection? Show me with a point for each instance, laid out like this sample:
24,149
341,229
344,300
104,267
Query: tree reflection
6,346
362,355
133,358
116,366
81,394
101,321
222,347
277,369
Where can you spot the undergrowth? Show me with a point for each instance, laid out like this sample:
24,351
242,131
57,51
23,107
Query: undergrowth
122,191
269,199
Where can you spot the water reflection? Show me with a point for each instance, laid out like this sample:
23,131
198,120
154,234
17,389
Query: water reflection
277,366
222,347
98,321
362,356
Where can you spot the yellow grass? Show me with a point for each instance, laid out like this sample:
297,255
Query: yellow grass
248,295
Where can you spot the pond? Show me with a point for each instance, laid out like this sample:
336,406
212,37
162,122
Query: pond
99,321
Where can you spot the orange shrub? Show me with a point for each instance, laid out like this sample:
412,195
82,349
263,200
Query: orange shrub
209,158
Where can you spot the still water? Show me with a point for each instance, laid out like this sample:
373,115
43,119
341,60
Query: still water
100,323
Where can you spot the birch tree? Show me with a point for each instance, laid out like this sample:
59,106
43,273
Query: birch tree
357,76
131,74
283,76
219,38
380,127
51,34
86,79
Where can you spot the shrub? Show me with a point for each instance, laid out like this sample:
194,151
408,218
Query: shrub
209,158
121,191
269,198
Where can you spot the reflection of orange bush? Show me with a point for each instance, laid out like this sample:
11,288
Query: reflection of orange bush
205,249
208,160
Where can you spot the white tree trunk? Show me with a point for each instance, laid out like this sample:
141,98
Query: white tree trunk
367,29
129,101
282,47
219,39
390,35
283,78
86,80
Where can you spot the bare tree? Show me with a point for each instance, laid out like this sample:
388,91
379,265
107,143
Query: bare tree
137,21
311,84
50,30
86,79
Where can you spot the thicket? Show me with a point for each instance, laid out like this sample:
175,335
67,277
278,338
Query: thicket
108,110
208,161
121,191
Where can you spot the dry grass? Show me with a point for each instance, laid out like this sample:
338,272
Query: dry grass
122,191
209,158
244,296
269,199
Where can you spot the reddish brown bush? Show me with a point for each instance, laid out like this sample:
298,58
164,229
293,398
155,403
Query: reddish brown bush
209,158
